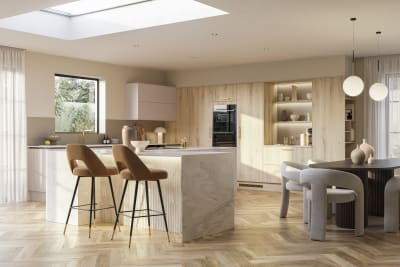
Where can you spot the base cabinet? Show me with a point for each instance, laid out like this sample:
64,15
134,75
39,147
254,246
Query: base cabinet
275,155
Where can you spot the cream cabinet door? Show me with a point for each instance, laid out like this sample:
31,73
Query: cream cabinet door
250,118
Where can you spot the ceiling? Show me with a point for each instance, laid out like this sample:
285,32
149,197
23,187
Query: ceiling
254,31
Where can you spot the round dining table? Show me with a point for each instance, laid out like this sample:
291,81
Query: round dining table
374,177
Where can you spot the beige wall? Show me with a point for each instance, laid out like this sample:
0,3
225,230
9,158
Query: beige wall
269,71
40,70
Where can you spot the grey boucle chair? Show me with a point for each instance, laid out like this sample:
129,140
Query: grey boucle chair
290,172
391,210
319,196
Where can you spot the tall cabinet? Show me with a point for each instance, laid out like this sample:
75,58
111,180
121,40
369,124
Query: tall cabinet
250,104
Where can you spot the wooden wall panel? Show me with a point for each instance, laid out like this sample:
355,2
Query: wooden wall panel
328,118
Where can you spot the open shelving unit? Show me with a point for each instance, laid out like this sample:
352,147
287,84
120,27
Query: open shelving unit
349,126
292,98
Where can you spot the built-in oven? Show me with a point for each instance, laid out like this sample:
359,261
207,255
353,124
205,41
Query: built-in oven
224,125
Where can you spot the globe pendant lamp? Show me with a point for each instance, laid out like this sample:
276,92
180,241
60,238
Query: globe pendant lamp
353,85
378,91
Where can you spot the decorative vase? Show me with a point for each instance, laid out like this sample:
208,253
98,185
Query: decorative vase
367,149
127,133
357,156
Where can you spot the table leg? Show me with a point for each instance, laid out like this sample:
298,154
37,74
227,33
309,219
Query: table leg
377,182
345,211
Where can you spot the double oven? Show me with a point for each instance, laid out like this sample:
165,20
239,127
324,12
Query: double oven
224,125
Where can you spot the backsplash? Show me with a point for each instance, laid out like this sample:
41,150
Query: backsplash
39,128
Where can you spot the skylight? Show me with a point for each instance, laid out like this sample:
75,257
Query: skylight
82,7
90,18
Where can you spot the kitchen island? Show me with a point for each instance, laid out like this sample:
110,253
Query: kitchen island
198,194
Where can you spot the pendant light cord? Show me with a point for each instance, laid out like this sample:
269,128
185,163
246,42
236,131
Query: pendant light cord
378,34
353,20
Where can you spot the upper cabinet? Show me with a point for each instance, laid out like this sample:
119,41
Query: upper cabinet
150,102
225,94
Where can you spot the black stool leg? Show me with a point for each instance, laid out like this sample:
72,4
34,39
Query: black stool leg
163,209
133,212
72,203
113,199
120,207
91,207
94,202
148,206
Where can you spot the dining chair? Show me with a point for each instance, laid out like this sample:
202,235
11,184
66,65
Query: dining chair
391,206
319,196
83,162
290,172
131,168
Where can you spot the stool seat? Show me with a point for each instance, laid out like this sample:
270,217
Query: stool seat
85,172
156,174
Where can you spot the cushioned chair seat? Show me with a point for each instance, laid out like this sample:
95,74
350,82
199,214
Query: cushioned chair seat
337,195
156,174
293,186
85,172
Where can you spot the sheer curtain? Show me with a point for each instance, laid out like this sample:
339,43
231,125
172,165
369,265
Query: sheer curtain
13,152
376,115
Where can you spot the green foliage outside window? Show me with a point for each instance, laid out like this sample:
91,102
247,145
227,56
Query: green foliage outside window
75,104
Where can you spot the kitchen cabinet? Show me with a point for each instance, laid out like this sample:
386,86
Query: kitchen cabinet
225,94
194,117
37,175
150,102
328,112
250,119
274,155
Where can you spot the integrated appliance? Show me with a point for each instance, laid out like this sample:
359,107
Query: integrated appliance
224,125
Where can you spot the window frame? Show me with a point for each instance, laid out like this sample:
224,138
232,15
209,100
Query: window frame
96,131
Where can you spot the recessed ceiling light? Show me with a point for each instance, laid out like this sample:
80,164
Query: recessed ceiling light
136,45
214,34
83,7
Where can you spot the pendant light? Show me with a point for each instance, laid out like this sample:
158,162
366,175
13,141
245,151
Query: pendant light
378,91
353,85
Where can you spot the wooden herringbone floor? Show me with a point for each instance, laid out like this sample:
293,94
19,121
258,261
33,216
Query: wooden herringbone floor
260,238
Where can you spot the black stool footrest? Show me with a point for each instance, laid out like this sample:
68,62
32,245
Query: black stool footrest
157,213
79,207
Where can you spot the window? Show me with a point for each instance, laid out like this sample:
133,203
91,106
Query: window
76,104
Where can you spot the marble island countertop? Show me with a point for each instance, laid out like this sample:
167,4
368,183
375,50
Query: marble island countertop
161,152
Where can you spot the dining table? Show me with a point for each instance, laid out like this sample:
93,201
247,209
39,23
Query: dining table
374,177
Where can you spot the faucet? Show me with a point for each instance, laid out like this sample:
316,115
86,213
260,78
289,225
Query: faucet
83,135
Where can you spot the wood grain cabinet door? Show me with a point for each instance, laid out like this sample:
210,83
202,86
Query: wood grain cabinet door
225,94
328,104
250,118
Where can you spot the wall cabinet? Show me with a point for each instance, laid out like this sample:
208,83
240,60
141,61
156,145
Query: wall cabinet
150,102
225,94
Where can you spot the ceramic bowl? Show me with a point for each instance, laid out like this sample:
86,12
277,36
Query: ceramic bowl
140,146
294,117
53,138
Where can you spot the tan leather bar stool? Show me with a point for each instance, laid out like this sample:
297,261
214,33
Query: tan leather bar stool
92,167
131,168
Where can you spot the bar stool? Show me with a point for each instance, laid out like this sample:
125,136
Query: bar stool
131,168
92,167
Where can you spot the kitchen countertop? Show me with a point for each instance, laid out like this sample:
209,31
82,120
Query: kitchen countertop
286,146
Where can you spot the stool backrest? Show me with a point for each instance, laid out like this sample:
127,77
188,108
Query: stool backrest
84,154
127,159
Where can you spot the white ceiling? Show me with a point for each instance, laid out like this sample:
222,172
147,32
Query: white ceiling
254,31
